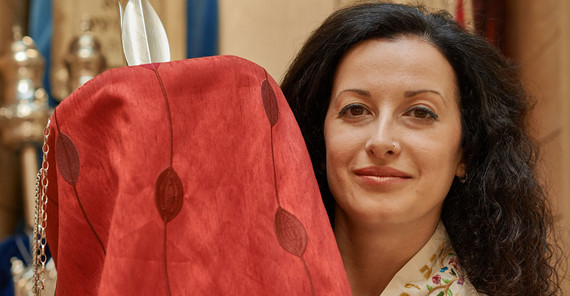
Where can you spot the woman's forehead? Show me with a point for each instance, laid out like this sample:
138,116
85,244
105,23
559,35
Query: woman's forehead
407,61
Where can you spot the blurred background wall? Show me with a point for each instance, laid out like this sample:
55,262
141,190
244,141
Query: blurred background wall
536,34
538,37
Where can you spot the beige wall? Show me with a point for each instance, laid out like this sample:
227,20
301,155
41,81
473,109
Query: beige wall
269,33
539,34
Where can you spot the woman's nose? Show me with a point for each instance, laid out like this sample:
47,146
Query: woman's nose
383,141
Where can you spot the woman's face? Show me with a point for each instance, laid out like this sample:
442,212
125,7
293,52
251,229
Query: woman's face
393,132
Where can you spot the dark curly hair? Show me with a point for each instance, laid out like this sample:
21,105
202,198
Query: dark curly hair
499,220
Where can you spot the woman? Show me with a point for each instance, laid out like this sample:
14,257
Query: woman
417,133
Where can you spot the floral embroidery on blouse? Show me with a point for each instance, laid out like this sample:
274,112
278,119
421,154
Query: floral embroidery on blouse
444,277
433,271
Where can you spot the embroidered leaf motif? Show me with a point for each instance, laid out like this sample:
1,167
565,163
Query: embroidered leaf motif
269,102
168,194
440,293
67,158
449,293
453,272
290,232
429,287
446,281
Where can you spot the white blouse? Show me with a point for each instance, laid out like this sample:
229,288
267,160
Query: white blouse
434,270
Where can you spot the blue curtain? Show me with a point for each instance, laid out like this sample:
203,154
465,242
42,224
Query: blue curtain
41,30
202,23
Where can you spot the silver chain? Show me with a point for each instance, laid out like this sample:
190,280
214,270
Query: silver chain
40,220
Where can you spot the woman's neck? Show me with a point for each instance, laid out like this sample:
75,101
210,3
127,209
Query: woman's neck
372,255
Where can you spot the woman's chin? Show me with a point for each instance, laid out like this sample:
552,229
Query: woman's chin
376,215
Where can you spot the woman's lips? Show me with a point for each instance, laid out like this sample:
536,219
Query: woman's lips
381,176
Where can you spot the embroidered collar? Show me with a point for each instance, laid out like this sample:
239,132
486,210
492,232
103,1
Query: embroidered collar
434,270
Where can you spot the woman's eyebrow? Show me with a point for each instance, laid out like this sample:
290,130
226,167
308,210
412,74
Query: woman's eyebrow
413,93
361,92
355,90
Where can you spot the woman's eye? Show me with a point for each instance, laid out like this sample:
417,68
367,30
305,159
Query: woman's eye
353,110
422,113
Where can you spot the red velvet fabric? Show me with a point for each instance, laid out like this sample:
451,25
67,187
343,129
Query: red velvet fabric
186,178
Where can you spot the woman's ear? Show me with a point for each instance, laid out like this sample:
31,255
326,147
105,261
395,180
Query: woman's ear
460,171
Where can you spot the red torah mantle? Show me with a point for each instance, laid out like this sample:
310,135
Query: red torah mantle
186,178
